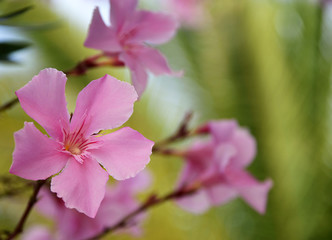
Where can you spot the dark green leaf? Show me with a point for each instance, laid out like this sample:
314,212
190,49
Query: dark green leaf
7,48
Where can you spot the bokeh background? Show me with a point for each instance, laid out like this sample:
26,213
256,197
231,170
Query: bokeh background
265,63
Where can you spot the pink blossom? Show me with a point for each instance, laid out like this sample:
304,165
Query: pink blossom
74,151
218,166
118,202
325,2
189,12
127,36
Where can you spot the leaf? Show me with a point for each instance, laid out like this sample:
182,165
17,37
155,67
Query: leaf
7,48
15,13
35,27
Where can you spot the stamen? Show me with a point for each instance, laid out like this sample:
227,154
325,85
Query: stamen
77,144
75,150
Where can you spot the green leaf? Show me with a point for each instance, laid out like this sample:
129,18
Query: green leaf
7,48
35,27
15,13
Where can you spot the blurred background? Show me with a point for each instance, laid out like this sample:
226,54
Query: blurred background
266,63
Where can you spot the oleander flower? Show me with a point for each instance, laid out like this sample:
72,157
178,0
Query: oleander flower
218,166
118,202
73,152
127,37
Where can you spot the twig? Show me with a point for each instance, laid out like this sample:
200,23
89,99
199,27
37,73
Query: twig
151,201
10,185
168,151
33,199
8,104
181,133
92,62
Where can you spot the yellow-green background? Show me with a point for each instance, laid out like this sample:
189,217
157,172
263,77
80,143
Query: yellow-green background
265,63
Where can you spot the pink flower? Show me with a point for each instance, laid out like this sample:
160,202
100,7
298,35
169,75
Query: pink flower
126,39
118,202
218,166
73,152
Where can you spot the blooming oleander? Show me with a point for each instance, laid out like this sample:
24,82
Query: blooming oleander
74,151
217,165
127,36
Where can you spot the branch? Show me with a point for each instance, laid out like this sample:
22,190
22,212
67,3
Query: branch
10,185
181,133
168,151
9,104
151,201
92,62
33,199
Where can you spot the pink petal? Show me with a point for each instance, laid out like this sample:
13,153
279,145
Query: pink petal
139,76
201,155
256,196
189,174
190,12
81,186
43,99
153,60
220,194
121,11
124,153
155,28
74,225
100,36
222,130
37,233
223,155
136,184
49,204
140,58
105,103
193,172
197,203
253,192
118,203
36,156
71,224
115,206
245,146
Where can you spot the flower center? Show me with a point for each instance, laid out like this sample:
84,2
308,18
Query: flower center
75,143
73,149
79,145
